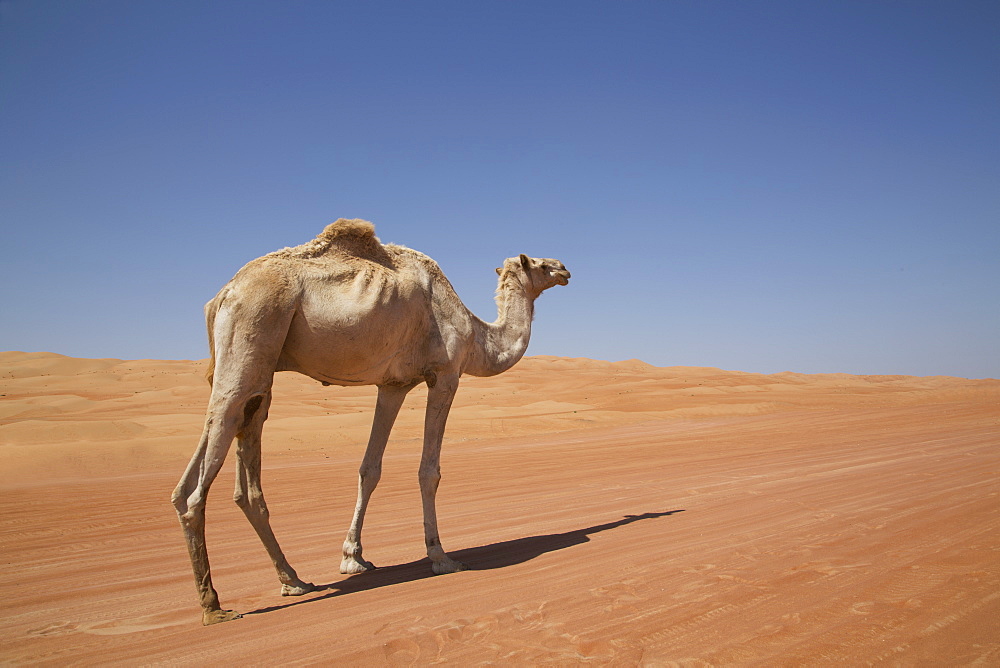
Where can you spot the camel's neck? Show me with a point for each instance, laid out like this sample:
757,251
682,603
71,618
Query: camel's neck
499,345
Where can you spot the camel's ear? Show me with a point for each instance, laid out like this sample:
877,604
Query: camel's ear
499,270
525,262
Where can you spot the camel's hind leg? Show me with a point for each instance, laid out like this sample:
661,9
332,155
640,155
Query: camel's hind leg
250,497
247,323
390,399
189,499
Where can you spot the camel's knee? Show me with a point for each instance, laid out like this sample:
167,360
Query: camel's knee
190,509
251,502
430,477
184,498
369,476
242,499
179,499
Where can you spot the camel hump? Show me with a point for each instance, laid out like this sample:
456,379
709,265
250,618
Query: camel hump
348,237
343,237
353,228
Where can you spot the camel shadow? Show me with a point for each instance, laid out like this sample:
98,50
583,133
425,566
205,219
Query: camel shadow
485,557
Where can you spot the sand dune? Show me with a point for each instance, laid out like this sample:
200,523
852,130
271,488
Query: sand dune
612,513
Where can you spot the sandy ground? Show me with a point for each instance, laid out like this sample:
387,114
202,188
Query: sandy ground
611,513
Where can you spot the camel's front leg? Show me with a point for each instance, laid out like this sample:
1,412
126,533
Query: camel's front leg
439,398
390,399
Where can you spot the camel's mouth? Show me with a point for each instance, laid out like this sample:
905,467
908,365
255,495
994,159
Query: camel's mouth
562,278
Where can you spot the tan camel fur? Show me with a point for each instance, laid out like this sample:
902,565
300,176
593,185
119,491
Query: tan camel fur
345,310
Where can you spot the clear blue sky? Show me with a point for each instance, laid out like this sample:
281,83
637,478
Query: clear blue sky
759,186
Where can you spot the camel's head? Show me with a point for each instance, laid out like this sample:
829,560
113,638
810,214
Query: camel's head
538,273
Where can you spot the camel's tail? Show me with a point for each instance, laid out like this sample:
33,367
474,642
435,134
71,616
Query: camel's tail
211,308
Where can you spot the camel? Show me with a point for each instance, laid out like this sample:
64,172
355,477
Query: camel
345,310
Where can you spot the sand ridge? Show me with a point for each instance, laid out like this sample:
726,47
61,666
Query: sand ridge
613,513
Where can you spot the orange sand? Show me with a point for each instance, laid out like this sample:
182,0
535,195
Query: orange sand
613,513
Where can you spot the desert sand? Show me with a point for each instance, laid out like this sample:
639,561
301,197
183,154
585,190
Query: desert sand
611,513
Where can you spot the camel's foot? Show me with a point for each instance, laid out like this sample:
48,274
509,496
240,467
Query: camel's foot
209,617
447,565
352,565
297,589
